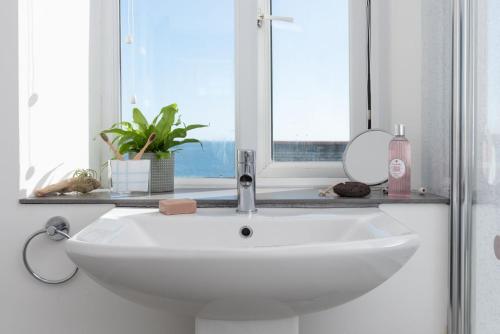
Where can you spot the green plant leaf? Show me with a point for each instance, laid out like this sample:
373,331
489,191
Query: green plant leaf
139,119
162,130
128,147
124,125
177,133
169,113
166,122
185,141
155,120
151,129
170,132
116,131
195,126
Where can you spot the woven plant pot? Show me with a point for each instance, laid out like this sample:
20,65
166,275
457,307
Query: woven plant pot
162,173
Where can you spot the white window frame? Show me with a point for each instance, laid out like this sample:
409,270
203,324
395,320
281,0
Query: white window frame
104,76
252,90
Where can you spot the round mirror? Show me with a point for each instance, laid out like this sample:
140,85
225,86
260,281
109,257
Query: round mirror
366,157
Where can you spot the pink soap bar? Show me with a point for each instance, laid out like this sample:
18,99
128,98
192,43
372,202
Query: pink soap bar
177,206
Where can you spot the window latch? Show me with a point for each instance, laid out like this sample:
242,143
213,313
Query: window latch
263,17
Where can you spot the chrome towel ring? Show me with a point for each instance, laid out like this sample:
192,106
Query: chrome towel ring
57,229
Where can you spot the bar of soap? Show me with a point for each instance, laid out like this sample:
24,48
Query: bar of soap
177,206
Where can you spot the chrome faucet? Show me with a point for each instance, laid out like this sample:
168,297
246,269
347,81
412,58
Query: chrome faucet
245,181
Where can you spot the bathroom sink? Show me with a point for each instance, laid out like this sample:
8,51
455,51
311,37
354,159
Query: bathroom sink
217,264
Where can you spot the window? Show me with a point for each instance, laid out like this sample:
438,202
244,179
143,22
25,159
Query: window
290,90
310,80
174,51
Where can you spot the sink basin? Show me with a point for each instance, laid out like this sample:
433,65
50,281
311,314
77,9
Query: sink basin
233,268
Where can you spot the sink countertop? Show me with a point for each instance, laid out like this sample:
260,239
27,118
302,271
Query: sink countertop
226,197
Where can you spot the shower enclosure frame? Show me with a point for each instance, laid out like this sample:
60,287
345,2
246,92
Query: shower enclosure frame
462,166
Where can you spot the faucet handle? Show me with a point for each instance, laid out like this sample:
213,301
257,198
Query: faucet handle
246,156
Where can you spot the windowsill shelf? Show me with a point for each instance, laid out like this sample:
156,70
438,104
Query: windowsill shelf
226,197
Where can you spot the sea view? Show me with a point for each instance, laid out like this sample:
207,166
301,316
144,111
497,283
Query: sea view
216,158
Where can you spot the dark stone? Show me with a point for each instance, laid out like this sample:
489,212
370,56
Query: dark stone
352,189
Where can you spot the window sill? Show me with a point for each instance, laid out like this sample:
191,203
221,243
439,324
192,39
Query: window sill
226,197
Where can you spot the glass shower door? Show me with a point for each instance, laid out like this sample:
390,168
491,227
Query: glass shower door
485,213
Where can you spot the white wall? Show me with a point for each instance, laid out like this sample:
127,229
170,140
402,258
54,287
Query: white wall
80,306
26,306
415,299
406,69
412,82
54,68
397,72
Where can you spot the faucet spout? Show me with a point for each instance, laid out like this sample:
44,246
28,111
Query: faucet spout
245,182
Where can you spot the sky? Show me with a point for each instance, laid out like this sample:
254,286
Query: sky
311,71
183,52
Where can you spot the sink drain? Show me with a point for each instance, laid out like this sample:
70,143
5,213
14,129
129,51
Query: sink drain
246,232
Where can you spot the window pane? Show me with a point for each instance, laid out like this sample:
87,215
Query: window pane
183,52
310,80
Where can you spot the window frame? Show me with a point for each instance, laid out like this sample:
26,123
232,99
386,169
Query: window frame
252,91
266,167
104,77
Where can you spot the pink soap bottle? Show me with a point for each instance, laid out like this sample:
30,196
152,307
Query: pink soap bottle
399,164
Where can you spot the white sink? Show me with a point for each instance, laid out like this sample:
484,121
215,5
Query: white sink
296,261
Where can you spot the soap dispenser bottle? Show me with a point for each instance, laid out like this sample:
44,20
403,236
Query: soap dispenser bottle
399,164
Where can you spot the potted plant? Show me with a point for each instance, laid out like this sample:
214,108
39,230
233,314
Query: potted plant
168,132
